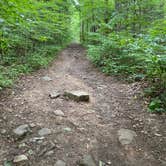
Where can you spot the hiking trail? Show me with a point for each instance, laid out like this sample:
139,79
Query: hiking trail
113,128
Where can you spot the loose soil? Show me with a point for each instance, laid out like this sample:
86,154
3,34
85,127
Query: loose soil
94,126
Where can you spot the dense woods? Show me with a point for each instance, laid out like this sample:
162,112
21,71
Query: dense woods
31,32
124,37
128,37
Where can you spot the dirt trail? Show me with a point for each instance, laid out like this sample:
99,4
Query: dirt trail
87,128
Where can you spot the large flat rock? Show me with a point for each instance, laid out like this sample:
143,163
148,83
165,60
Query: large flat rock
126,136
77,96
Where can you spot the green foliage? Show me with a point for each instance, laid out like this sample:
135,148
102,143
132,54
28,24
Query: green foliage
31,32
128,38
140,58
118,54
156,105
5,82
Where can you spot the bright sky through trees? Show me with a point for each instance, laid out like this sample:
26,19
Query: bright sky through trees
76,2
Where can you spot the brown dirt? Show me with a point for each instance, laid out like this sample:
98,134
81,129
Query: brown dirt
94,125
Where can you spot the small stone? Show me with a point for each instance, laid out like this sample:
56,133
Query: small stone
126,136
67,129
21,130
158,135
32,125
22,145
60,163
36,139
3,131
134,126
77,96
113,115
152,115
54,95
109,162
49,153
59,113
20,158
87,161
47,78
44,131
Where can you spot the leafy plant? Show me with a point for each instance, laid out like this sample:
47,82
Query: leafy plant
31,33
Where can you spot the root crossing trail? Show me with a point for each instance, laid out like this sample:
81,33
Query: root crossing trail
95,130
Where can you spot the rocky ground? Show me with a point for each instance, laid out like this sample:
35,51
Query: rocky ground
73,115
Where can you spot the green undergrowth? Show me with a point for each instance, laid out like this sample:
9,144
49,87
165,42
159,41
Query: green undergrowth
31,33
12,67
138,58
127,38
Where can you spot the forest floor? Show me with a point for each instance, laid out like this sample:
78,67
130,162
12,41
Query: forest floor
95,129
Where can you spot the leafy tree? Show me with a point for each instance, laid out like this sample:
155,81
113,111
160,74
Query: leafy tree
31,31
128,37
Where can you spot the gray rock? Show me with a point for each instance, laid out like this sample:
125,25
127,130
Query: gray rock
31,152
67,129
126,136
3,131
49,153
22,145
32,125
60,163
77,96
59,113
44,131
87,161
20,158
54,95
47,78
21,130
36,139
158,135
